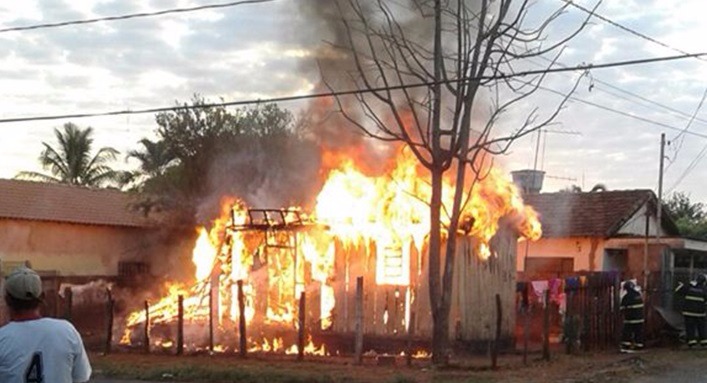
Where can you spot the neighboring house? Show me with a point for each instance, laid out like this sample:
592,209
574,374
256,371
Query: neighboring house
606,231
74,233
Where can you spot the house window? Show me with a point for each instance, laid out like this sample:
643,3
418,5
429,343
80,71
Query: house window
691,260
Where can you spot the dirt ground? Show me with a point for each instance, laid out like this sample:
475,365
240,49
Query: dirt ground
657,365
652,366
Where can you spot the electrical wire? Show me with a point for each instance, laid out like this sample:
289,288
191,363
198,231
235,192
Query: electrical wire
693,117
131,16
620,112
671,110
697,158
689,169
498,76
624,28
689,123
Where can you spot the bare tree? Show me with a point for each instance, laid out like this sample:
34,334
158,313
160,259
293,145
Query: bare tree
425,64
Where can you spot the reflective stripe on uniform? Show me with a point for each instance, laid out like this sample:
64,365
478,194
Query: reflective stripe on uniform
691,342
633,321
691,314
638,306
693,298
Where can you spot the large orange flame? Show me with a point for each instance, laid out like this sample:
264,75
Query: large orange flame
388,211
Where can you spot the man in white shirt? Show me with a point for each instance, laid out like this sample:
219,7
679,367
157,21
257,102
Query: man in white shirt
35,349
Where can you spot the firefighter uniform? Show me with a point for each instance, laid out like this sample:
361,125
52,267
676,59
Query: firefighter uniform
694,311
632,308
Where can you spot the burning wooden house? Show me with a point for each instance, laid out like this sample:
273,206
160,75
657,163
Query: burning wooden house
374,228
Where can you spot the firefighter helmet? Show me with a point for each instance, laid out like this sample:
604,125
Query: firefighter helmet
629,285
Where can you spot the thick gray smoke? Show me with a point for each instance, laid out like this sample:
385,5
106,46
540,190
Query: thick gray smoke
330,30
291,174
265,174
334,32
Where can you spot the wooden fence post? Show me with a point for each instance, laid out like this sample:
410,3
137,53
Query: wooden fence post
586,322
68,295
526,333
180,325
546,327
147,327
301,329
497,340
110,303
243,346
617,313
358,345
570,325
410,334
211,317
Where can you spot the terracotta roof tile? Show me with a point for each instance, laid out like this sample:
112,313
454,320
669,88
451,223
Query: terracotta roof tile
597,214
64,203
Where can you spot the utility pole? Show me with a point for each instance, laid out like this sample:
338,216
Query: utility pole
659,213
665,261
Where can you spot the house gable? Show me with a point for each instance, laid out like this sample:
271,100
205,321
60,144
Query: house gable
635,226
595,214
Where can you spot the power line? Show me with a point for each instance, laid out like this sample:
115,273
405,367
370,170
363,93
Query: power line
680,136
622,27
626,114
132,16
498,76
699,106
699,156
689,168
672,111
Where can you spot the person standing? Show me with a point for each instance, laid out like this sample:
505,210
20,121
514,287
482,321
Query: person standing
694,310
632,308
34,349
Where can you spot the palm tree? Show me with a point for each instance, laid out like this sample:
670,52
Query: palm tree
155,158
71,162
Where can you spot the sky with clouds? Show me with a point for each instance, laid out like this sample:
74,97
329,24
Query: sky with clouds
258,51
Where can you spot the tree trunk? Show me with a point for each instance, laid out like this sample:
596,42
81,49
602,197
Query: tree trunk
440,317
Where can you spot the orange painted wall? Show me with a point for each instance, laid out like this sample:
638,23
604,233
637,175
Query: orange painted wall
75,250
586,252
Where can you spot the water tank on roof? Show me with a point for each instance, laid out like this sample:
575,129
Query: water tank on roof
529,181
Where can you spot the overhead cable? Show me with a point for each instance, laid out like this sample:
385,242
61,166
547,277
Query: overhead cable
624,28
497,76
131,16
625,114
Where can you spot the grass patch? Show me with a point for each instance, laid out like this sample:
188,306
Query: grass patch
201,369
273,369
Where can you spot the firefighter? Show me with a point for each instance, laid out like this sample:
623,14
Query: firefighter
632,308
694,310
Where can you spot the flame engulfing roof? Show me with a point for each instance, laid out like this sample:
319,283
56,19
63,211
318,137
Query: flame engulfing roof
38,201
593,214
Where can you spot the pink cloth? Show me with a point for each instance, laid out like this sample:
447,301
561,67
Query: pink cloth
539,288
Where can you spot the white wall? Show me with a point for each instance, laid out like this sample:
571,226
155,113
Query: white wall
636,225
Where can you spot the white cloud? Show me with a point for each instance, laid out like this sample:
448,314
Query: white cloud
265,50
